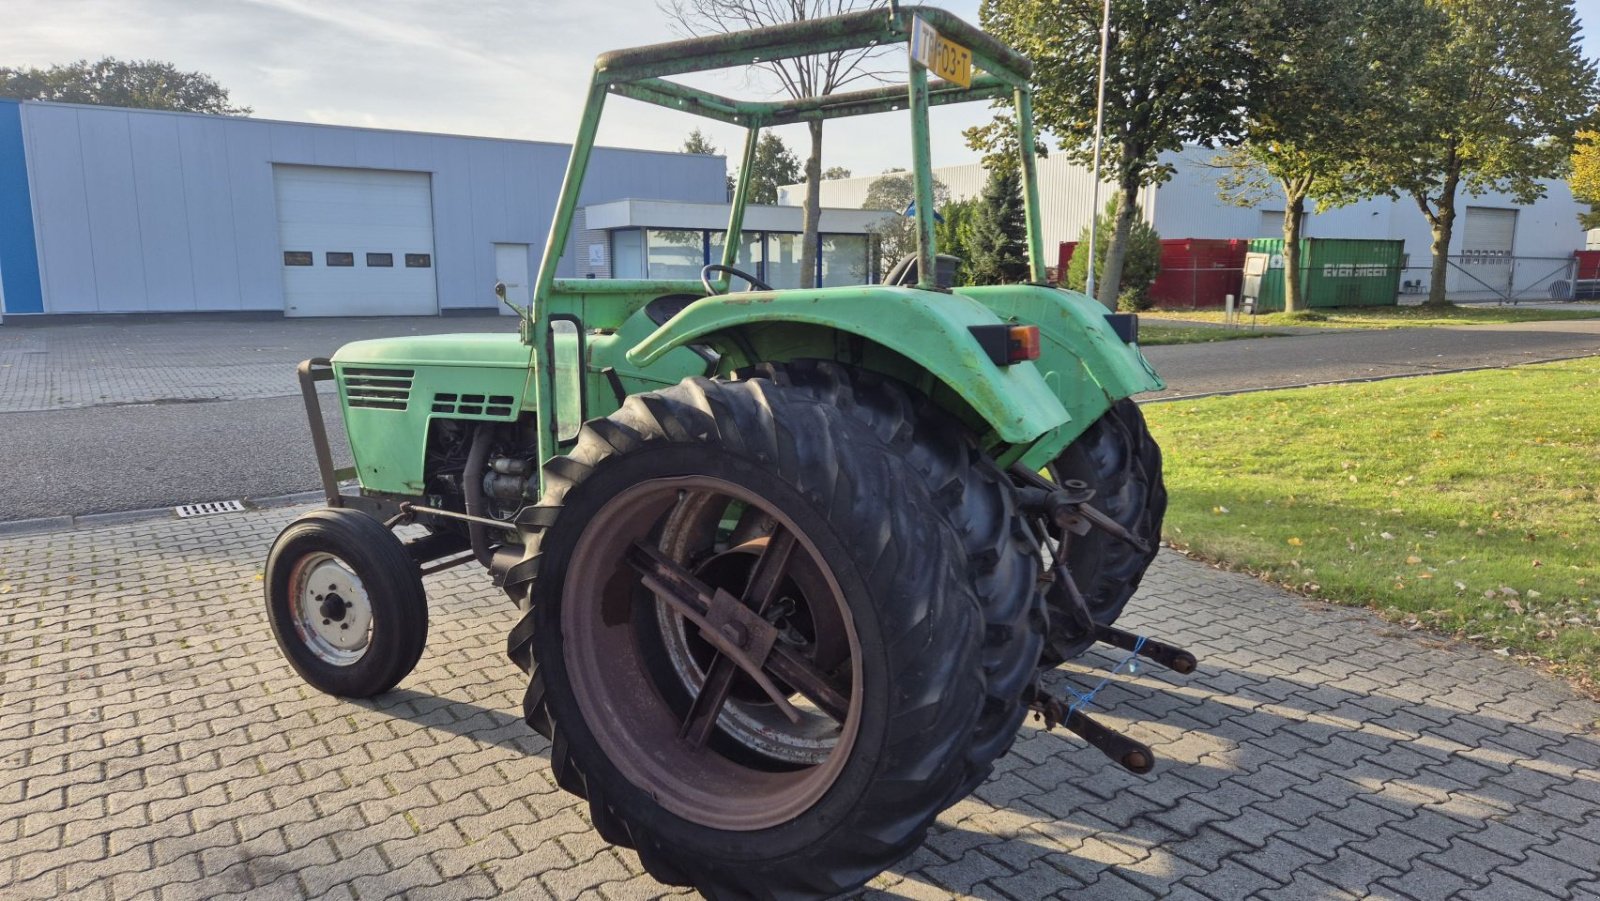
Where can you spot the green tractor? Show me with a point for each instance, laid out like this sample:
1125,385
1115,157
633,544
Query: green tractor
790,562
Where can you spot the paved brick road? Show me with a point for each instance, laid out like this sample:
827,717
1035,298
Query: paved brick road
155,745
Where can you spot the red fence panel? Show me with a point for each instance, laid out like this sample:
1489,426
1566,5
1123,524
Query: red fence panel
1198,272
1588,263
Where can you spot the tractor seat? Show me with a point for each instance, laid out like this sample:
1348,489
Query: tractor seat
667,306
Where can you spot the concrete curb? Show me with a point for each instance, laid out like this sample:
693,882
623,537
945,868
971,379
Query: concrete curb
101,520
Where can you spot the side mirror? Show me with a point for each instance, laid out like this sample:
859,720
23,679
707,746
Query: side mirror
500,292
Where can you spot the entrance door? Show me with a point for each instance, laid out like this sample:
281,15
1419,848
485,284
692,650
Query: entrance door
1487,237
355,242
511,269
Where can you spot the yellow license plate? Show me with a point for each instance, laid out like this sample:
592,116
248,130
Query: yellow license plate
952,62
944,58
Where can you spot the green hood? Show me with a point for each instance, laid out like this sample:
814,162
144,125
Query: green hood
439,350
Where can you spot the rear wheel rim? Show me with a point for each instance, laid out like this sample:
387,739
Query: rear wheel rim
330,608
773,770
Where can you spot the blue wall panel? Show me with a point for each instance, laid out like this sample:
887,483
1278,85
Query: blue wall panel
19,252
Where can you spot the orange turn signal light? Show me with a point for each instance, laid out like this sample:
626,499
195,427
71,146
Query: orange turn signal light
1005,343
1022,343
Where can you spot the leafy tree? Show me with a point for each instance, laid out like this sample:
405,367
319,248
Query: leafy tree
1000,231
811,76
954,232
1178,72
698,142
1337,75
833,173
775,165
1586,176
141,84
1495,105
897,234
1141,263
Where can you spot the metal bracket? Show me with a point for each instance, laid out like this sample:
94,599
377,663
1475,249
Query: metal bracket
319,369
1133,756
695,602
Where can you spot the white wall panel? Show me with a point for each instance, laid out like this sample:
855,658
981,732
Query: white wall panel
55,172
163,214
255,220
118,256
203,150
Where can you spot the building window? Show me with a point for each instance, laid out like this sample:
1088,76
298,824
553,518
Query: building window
674,253
627,253
785,265
749,258
340,258
418,260
844,260
298,258
380,259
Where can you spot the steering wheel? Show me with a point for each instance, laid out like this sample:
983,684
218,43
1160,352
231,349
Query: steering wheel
711,290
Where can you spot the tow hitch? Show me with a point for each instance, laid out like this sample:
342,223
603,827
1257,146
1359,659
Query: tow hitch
1067,507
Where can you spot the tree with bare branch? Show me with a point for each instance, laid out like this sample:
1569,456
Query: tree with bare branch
810,76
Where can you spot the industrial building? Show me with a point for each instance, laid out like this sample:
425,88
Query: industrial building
108,210
1498,246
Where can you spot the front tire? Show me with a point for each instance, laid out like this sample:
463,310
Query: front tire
880,600
345,602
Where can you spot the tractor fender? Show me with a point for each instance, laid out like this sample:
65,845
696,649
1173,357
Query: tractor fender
929,328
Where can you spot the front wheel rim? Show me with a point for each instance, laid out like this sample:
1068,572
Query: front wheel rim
606,636
330,609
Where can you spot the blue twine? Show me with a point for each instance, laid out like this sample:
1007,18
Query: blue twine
1084,700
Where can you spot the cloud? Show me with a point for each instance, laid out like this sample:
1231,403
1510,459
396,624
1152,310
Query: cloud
501,68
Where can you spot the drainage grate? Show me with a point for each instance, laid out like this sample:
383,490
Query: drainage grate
209,508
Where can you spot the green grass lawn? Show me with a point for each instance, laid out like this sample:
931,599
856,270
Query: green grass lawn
1383,317
1152,334
1465,503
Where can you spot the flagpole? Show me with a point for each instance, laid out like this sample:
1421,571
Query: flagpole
1099,123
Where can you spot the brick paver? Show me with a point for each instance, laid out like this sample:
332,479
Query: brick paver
182,358
155,745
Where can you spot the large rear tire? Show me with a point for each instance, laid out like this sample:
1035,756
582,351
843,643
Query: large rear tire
877,597
1117,457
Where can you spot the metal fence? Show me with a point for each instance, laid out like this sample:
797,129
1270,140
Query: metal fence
1500,278
1470,279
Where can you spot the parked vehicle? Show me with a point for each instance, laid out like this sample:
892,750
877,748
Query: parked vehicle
791,562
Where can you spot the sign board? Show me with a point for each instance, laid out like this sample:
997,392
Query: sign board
944,58
597,255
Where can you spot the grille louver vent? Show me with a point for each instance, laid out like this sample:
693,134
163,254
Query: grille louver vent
381,389
474,404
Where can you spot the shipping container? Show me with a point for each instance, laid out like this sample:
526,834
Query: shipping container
1198,272
1334,272
1588,263
1064,258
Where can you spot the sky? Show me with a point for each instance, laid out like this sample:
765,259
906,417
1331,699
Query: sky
500,68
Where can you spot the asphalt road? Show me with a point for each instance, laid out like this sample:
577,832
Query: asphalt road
132,457
1333,355
95,459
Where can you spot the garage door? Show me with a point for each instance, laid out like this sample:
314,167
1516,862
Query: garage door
1485,263
355,242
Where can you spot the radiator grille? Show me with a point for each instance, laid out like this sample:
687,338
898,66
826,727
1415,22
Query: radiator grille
474,404
381,389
